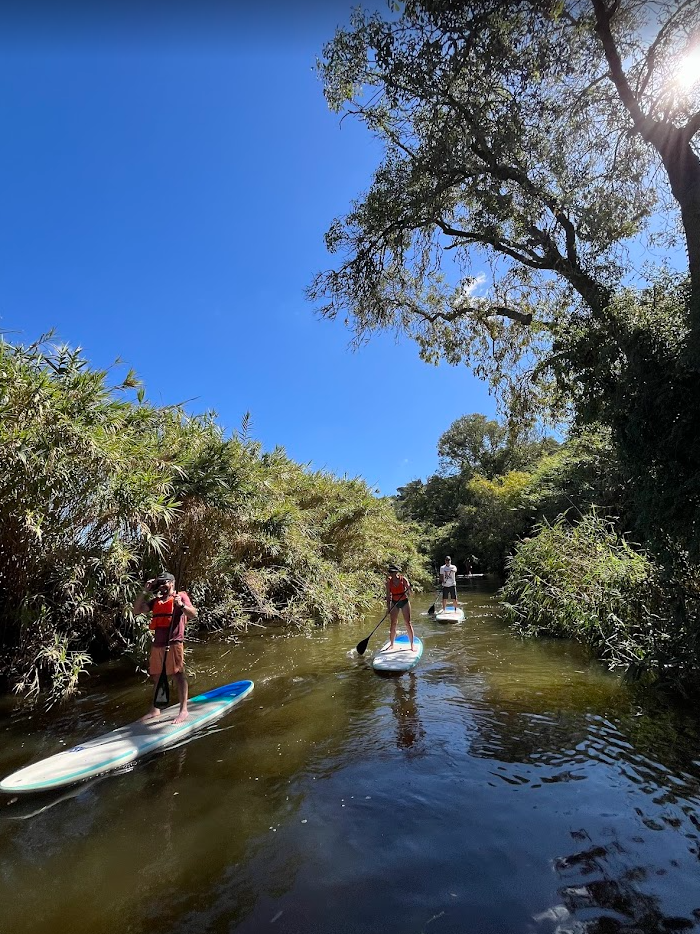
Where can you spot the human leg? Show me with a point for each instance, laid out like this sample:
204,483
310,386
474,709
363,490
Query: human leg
393,616
155,667
153,712
182,692
406,610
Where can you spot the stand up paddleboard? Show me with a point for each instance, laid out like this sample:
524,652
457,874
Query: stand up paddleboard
116,749
400,657
450,614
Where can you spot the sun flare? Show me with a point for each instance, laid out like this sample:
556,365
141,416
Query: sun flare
688,73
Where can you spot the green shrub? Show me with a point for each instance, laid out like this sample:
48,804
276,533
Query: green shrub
99,490
586,582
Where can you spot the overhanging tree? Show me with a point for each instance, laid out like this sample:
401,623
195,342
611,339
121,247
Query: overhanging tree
533,139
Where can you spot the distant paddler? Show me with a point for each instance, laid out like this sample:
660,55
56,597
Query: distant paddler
398,593
448,580
170,610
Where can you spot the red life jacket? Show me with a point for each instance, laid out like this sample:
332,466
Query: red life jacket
398,588
162,612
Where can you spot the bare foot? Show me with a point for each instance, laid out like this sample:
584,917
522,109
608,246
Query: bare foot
181,717
151,715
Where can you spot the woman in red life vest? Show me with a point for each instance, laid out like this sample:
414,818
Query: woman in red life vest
398,592
170,611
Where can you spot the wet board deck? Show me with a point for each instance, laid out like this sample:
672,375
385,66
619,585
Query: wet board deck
450,615
116,749
400,658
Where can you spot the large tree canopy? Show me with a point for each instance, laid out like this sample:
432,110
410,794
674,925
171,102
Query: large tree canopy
474,444
527,139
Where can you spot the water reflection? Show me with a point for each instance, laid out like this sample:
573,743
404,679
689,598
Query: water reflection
409,730
500,787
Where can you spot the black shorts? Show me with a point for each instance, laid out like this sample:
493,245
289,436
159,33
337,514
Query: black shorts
401,603
449,592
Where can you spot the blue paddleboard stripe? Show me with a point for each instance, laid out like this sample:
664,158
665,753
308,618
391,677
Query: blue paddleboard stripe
402,639
189,725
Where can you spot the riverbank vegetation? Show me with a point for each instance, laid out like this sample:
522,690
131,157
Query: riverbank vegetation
533,153
100,489
585,580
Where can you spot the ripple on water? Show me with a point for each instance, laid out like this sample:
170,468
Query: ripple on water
538,796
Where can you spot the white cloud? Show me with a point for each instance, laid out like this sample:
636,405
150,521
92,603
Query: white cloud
470,285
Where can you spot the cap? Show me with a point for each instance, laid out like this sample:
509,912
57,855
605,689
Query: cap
392,567
162,578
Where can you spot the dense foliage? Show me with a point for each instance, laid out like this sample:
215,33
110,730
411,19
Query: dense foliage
520,158
527,146
99,489
556,534
476,445
629,369
585,580
479,517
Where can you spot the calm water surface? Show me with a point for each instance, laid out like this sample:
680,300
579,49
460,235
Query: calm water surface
502,787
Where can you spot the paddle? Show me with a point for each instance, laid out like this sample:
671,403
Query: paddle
161,698
361,647
431,609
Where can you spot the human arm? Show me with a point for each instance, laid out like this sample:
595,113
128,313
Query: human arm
185,604
142,602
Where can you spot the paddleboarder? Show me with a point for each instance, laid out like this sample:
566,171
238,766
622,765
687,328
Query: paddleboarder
448,579
398,592
170,610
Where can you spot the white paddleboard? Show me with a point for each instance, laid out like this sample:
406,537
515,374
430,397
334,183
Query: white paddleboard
116,749
400,657
450,615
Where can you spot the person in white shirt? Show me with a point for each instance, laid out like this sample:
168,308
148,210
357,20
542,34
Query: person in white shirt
448,579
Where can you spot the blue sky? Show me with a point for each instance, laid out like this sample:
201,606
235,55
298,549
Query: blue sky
165,184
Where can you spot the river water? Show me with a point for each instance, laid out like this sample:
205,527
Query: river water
502,786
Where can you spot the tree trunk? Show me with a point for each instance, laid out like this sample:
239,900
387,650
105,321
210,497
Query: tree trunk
680,161
683,168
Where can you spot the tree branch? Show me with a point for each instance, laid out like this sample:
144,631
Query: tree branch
602,16
691,127
529,258
462,311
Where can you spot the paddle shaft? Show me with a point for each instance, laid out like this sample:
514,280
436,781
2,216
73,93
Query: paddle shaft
361,647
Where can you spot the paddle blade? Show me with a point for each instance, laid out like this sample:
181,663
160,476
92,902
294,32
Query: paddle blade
431,610
161,698
361,647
